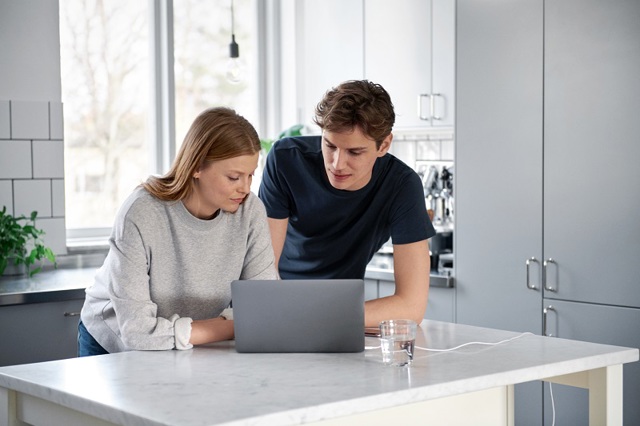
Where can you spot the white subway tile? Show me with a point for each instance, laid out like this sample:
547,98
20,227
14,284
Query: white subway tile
57,197
55,236
6,195
428,150
29,120
5,120
48,159
447,150
56,123
15,159
405,151
30,195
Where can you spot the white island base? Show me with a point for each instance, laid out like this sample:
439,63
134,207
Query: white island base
214,385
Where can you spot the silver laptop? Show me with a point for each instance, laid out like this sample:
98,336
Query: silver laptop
298,315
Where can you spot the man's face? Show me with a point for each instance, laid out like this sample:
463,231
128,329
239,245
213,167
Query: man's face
349,158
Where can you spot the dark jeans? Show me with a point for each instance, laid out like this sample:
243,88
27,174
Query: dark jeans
87,345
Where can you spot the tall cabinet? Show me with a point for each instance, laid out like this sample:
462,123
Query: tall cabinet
498,188
547,236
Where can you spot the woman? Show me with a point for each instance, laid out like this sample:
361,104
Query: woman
177,243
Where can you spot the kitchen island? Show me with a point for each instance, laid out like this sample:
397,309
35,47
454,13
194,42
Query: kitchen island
215,385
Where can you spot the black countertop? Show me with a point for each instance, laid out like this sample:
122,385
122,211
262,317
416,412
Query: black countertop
47,286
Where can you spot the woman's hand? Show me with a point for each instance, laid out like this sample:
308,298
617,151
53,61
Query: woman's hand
211,330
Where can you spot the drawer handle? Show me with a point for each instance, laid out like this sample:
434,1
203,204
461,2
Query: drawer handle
72,314
545,312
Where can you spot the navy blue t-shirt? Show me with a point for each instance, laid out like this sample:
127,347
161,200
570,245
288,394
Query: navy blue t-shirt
334,233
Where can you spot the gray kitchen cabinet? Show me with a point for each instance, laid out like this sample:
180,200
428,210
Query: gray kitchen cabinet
39,332
409,49
609,325
499,163
592,147
370,289
591,102
329,40
547,190
441,303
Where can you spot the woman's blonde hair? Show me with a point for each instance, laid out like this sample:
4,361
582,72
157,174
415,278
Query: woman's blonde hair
216,134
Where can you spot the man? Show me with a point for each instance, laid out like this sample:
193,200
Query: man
333,200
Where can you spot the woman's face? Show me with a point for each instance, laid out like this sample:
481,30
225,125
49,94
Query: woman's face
221,185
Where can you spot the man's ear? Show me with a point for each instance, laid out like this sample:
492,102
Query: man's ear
385,145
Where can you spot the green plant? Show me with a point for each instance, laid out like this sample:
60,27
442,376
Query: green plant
17,234
295,130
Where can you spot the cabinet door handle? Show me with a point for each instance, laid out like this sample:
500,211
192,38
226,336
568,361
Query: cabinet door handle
420,114
433,106
72,314
545,313
528,263
545,269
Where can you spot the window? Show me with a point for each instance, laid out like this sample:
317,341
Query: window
108,92
105,68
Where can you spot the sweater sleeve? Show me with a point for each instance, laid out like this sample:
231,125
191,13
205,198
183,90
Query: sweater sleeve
129,289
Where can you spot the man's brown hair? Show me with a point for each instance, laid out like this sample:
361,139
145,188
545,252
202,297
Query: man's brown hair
358,103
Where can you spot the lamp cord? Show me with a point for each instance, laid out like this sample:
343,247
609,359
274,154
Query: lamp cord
233,32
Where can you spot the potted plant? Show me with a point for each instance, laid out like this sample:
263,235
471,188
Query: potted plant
21,243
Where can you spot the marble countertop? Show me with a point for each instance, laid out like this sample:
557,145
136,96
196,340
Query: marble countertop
215,385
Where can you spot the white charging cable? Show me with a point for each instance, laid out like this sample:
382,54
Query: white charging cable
475,343
465,344
553,405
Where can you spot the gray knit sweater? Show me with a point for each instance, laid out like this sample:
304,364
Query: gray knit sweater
166,268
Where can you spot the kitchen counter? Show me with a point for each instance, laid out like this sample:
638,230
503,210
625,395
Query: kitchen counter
386,274
47,286
215,385
70,283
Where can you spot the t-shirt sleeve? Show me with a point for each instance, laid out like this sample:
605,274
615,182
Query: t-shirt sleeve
410,222
273,189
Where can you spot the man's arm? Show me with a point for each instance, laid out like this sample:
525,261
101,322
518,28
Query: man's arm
411,265
278,229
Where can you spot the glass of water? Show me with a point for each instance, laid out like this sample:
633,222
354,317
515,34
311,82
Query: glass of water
397,340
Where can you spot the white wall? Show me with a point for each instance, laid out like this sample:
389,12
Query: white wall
29,50
31,118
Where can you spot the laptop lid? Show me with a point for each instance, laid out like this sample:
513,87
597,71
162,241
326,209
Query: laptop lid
298,315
